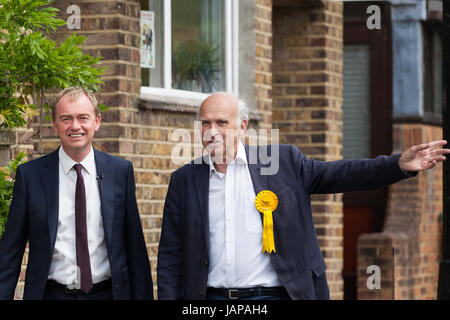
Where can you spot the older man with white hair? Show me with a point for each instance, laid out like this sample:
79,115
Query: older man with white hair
231,232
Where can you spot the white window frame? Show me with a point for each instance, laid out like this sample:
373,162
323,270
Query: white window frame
169,95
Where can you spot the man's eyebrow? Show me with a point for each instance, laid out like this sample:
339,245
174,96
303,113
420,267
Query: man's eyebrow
70,115
213,120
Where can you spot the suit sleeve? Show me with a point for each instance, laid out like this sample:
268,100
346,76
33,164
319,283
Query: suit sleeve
137,257
347,175
170,247
12,245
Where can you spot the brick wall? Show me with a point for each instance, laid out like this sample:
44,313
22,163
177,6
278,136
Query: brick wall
263,57
12,142
408,250
307,105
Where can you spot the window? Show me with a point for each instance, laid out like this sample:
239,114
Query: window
193,45
432,71
356,107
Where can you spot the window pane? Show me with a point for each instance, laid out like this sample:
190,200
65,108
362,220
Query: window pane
356,106
428,83
152,44
438,66
198,45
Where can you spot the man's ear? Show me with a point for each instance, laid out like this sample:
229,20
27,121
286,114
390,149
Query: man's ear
98,120
244,124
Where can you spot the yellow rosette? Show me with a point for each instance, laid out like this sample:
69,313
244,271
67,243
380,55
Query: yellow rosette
266,202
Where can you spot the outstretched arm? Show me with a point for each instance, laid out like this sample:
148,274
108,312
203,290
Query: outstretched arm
366,174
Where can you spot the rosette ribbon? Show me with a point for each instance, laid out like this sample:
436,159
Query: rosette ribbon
266,202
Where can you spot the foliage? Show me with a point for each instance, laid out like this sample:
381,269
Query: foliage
195,61
32,63
6,188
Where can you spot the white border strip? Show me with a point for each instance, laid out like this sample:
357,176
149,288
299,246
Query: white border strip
167,44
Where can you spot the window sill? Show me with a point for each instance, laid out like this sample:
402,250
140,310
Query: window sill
431,119
172,97
178,101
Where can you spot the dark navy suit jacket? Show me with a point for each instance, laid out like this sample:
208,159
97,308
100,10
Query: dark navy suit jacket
33,216
183,249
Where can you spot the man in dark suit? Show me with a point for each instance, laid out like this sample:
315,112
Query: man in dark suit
77,209
233,228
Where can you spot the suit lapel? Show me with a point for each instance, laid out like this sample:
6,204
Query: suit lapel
105,180
201,182
259,181
50,183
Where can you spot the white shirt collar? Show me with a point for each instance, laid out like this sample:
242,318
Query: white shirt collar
67,162
241,158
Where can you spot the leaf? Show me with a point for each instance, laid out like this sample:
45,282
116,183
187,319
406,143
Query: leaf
102,107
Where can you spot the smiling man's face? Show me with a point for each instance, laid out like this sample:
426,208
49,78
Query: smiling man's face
76,123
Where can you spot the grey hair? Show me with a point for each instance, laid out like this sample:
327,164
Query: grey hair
243,112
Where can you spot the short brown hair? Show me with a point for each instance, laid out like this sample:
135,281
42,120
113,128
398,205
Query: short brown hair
73,93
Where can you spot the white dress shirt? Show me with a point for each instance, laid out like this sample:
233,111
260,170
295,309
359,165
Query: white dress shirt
235,230
64,262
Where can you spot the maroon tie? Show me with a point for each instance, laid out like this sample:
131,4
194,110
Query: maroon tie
83,260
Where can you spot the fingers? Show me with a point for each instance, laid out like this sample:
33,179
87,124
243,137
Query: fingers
441,158
438,159
438,152
432,144
432,157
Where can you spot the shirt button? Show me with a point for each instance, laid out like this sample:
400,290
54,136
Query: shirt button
205,262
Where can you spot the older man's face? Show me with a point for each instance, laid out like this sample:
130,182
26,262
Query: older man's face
219,116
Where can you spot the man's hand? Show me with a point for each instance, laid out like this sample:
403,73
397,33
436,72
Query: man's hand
423,156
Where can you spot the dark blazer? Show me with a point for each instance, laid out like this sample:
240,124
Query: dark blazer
183,249
33,216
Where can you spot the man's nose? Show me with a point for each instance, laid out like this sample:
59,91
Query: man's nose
214,130
210,134
76,124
